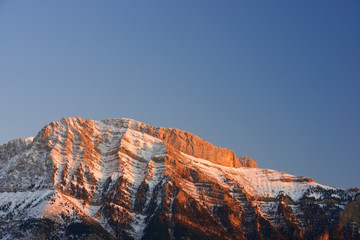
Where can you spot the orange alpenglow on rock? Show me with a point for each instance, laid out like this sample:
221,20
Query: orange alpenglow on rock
190,144
123,179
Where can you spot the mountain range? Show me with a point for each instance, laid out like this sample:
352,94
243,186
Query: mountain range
123,179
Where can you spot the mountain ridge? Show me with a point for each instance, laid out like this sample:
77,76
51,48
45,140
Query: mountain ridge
123,179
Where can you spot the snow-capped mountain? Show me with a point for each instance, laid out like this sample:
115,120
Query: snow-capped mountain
122,179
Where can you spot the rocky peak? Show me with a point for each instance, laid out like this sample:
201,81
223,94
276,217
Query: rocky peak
185,142
173,138
123,179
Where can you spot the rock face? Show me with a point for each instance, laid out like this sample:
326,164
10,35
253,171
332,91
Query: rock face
187,143
122,179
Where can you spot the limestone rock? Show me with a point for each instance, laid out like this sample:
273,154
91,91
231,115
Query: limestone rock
122,179
247,162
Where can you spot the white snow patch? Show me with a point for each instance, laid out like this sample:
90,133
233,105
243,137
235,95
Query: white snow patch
257,181
28,204
138,224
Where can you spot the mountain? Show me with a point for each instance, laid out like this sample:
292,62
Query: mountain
122,179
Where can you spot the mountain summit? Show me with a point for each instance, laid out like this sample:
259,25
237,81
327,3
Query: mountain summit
123,179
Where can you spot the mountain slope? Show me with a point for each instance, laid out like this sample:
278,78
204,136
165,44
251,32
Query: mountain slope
122,179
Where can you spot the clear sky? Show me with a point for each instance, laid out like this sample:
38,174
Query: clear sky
278,81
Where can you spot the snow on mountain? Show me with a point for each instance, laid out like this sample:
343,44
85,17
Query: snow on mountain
257,181
122,179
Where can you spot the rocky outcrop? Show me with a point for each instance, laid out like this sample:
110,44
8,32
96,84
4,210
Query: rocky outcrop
247,162
350,218
187,143
122,179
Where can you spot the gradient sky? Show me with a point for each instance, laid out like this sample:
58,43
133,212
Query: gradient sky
278,81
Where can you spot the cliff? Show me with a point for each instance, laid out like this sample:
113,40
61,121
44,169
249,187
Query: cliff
122,179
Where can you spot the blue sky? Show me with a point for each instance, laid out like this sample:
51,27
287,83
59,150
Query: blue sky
274,80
